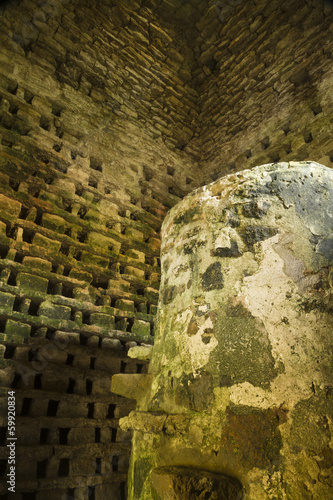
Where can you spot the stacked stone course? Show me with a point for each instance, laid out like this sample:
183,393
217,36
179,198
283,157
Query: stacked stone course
263,79
110,113
83,192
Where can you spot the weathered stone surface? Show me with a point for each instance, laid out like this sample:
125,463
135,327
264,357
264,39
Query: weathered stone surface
109,116
130,385
6,302
172,483
30,283
243,353
10,206
140,352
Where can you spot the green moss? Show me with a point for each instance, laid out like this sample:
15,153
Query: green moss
313,412
54,311
30,283
142,468
243,338
15,331
252,439
141,327
6,302
188,216
102,320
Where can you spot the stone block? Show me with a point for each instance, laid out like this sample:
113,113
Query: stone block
62,339
108,491
28,433
21,354
102,320
72,409
94,260
66,186
16,331
82,361
27,465
135,255
151,294
80,466
112,365
29,283
101,410
37,263
6,302
119,284
10,206
52,351
140,352
124,305
140,327
98,239
80,275
134,233
86,294
153,309
121,325
81,435
93,341
101,385
53,382
42,241
131,385
134,271
112,344
54,222
38,407
55,311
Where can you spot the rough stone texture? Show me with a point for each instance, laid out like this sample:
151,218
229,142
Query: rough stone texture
263,80
93,118
110,112
242,360
173,483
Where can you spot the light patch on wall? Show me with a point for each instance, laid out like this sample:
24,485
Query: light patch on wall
194,352
272,297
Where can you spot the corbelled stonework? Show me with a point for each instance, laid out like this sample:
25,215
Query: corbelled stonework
110,113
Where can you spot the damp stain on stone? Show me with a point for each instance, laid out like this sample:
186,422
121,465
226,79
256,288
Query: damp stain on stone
325,247
246,336
237,308
319,407
255,210
255,234
251,438
212,278
169,293
192,246
232,251
188,216
195,393
192,328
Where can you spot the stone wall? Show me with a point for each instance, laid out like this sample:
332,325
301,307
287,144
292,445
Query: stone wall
264,77
111,112
93,120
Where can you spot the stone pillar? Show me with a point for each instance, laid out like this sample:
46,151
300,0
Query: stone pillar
241,389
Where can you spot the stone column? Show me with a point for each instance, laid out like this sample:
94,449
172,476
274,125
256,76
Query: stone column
240,394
